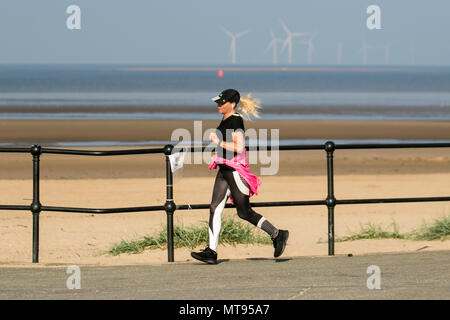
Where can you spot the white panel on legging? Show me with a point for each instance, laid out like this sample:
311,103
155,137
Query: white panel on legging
260,222
242,187
217,223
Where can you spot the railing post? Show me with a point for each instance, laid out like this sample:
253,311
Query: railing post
35,206
169,206
331,200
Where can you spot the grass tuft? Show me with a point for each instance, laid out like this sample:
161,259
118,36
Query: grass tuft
372,231
233,232
438,229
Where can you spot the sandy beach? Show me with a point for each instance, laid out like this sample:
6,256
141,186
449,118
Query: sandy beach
122,181
44,131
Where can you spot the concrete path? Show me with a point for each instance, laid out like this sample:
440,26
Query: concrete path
421,275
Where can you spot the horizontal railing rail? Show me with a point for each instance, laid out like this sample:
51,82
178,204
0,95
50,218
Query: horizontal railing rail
170,207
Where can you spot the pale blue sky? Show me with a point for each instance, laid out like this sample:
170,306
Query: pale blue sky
188,33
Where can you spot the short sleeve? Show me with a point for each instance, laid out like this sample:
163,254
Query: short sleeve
237,123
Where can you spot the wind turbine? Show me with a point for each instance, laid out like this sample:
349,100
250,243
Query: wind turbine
363,50
288,41
339,53
233,42
310,46
273,44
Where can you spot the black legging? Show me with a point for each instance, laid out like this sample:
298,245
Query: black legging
228,181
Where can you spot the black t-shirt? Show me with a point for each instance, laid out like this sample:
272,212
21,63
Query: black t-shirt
233,123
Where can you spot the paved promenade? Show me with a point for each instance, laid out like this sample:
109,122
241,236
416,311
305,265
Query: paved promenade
421,275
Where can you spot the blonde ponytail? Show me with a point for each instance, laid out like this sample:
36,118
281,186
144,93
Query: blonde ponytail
249,106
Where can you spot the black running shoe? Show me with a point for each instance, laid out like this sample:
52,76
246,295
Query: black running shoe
209,256
279,243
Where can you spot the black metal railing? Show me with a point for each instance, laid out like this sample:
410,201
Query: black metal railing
170,207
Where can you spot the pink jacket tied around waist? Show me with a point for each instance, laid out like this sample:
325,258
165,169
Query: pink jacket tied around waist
239,163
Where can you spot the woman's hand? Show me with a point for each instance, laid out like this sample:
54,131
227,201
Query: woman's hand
213,137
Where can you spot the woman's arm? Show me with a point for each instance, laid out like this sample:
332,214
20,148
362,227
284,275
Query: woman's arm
236,146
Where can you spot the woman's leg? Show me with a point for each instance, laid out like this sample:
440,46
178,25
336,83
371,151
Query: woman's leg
240,192
220,195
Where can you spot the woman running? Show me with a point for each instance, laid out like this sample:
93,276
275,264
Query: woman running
234,179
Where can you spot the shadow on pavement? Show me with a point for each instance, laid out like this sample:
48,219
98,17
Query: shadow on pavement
267,259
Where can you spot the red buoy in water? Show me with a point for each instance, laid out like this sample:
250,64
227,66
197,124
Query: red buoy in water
220,73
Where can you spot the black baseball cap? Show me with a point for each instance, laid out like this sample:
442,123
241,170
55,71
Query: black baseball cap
229,95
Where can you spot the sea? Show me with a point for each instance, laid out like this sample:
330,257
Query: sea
185,92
